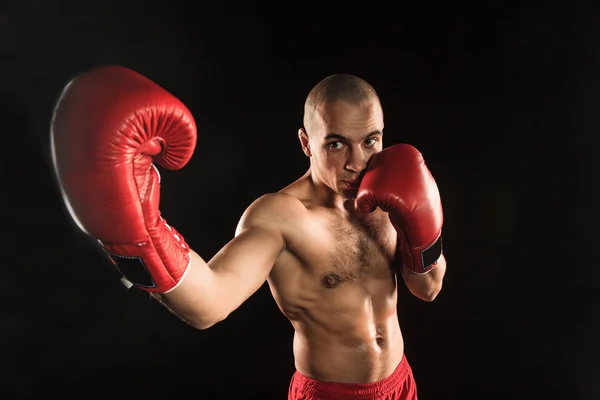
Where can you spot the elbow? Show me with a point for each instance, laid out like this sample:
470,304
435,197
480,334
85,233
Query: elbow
201,324
430,294
204,322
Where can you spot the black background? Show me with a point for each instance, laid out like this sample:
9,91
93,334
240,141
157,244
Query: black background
501,100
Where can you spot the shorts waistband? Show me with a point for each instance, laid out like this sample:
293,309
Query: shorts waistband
356,391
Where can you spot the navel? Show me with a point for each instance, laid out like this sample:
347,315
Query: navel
379,338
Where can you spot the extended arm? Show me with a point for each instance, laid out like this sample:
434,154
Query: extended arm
211,290
110,126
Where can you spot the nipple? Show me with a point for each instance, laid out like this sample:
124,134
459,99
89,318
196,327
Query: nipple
331,280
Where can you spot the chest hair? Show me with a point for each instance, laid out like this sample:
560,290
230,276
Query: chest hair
360,249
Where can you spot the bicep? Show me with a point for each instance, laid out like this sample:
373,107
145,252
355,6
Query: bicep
243,265
248,257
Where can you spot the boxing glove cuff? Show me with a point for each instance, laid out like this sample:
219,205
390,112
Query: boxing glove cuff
424,258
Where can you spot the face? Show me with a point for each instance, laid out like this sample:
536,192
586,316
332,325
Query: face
341,141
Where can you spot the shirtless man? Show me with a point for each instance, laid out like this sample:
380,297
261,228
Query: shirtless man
331,245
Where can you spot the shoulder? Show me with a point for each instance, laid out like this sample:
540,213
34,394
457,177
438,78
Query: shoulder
276,210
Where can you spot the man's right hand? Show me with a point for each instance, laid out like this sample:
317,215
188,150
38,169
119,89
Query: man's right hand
108,128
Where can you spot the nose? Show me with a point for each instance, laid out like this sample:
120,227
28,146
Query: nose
357,160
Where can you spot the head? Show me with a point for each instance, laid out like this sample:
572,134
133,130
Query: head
343,129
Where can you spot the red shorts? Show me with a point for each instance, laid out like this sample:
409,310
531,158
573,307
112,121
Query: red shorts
400,385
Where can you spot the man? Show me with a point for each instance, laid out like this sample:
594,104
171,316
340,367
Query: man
331,244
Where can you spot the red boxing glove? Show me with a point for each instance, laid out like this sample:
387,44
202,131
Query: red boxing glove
398,181
108,127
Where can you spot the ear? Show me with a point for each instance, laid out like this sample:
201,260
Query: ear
304,142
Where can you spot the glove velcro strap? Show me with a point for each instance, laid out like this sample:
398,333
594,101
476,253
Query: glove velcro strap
134,271
430,256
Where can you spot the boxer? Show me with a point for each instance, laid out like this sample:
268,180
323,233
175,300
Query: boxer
332,245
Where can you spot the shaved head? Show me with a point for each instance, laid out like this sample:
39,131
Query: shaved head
339,87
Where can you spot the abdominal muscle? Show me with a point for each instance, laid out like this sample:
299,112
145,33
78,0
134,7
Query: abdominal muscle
351,335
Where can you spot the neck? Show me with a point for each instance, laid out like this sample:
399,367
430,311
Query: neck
325,196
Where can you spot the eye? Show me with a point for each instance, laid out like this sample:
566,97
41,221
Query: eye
370,142
334,146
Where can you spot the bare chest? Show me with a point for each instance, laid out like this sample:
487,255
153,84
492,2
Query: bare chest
350,250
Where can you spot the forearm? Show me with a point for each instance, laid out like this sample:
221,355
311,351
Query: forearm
426,286
193,299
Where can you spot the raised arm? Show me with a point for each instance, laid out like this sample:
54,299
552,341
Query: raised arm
110,126
398,181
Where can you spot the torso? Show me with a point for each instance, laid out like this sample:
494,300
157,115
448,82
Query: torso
336,283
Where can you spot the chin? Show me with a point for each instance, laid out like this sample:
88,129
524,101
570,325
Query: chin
349,194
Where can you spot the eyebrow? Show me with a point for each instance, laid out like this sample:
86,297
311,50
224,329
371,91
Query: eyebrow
342,137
